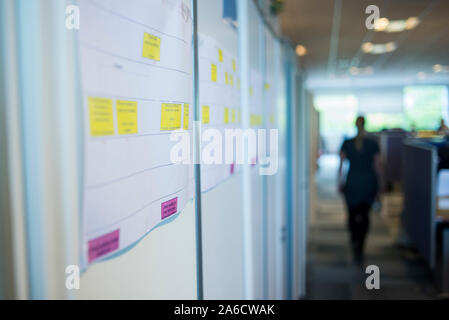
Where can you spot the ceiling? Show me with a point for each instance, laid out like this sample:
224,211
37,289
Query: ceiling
334,40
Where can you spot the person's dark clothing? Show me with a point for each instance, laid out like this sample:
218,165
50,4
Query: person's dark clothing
443,157
361,183
360,189
358,224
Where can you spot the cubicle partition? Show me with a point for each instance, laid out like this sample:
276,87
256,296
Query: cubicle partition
391,149
419,180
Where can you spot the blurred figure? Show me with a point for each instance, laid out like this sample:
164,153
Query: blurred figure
413,132
362,184
442,129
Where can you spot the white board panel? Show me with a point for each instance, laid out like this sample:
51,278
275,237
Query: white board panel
222,206
156,258
222,241
161,266
256,121
274,112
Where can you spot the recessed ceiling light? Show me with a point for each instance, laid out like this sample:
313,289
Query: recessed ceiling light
379,48
367,47
385,25
411,23
390,46
440,68
395,26
354,71
381,24
360,71
301,50
421,75
437,68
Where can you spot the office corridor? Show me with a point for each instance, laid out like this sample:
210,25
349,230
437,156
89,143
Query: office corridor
330,271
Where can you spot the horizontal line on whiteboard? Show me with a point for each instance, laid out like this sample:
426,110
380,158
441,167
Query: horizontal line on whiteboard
127,98
103,138
133,73
220,85
91,47
107,183
95,3
218,63
137,211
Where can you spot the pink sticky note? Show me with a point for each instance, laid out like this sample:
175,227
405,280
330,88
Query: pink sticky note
103,245
169,207
253,162
232,168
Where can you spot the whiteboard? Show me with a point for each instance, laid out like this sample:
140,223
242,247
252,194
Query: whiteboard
256,109
275,115
222,206
153,259
161,266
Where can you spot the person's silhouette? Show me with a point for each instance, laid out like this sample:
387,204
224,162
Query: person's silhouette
362,184
442,129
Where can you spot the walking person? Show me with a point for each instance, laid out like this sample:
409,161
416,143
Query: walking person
361,186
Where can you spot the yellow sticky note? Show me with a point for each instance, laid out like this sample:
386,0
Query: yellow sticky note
170,116
205,114
226,115
233,116
220,55
101,117
186,117
250,91
267,86
231,79
226,78
127,117
234,66
255,120
272,118
252,119
213,69
151,47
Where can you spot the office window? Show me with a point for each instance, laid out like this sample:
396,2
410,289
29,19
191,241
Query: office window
337,116
425,106
378,121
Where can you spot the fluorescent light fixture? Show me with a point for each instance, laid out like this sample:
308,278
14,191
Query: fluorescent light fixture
412,23
381,24
421,75
396,26
385,25
354,71
301,50
390,46
440,68
360,70
367,47
379,48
